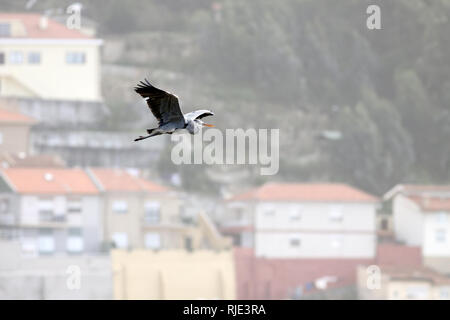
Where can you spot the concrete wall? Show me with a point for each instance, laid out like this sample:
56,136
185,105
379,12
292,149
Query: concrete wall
408,221
14,138
53,277
173,274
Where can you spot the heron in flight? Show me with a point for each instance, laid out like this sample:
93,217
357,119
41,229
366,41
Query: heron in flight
166,109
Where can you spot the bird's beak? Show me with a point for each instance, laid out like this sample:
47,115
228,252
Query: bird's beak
209,125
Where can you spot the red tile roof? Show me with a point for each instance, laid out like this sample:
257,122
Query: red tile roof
13,117
428,197
413,273
314,192
427,203
120,180
49,181
398,255
418,188
54,30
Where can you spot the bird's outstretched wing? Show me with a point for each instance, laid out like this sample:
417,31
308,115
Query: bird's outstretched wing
163,105
198,114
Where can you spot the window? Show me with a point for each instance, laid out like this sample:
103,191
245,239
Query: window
269,212
5,30
384,224
2,58
441,217
75,58
120,207
16,57
34,58
417,292
445,293
120,240
295,242
46,210
74,206
336,242
46,241
238,213
152,240
4,205
74,240
336,214
441,235
295,214
152,212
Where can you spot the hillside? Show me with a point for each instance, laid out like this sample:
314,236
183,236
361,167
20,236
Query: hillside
299,65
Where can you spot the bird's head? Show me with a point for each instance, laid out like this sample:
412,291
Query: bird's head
208,113
203,124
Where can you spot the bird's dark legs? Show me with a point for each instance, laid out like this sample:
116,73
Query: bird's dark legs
142,137
152,134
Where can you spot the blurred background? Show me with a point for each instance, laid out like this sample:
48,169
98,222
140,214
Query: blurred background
360,208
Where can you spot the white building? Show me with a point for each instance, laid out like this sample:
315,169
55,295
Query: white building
303,221
421,217
50,210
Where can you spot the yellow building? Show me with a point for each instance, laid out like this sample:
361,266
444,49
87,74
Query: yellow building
41,58
173,275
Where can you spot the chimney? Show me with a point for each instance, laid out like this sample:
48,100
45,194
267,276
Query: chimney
43,22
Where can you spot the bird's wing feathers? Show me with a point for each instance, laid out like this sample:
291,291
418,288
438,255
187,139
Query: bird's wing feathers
163,105
198,114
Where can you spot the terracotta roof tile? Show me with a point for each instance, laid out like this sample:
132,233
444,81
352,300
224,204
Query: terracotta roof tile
408,273
320,192
49,181
13,117
120,180
54,30
427,203
428,197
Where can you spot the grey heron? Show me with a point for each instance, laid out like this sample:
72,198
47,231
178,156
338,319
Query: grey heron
166,109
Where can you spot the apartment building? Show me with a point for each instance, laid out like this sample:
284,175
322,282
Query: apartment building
282,220
32,45
421,217
138,213
14,132
50,210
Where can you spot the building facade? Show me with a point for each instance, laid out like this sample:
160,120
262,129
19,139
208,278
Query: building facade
421,217
304,221
14,132
32,45
50,211
138,213
173,274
